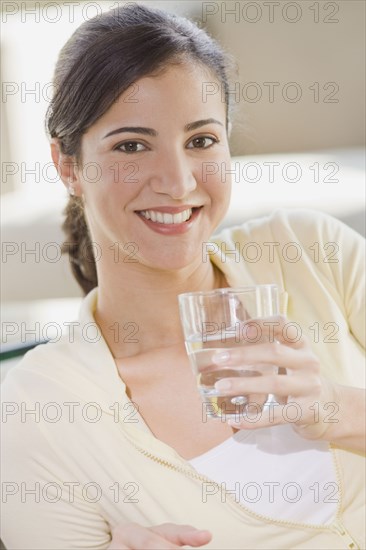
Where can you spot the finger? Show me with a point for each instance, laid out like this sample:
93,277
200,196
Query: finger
273,415
183,534
135,537
295,386
276,328
269,355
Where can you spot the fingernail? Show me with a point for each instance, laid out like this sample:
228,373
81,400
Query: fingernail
223,385
221,357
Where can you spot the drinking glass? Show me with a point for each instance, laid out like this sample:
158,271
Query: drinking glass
221,319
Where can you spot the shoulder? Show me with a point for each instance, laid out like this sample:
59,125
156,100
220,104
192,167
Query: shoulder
67,356
293,248
283,223
299,233
69,361
79,365
43,365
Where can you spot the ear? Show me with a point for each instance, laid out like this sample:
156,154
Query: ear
66,167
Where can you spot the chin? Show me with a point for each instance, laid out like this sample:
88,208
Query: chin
173,262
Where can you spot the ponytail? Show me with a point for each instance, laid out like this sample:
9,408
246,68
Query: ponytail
78,245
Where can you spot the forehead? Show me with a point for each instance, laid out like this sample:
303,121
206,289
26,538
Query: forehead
180,94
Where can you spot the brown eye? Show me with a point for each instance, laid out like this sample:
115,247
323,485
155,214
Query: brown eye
202,142
130,147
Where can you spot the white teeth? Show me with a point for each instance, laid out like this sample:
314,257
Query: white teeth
179,218
163,217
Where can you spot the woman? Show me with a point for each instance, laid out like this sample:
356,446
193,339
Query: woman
117,453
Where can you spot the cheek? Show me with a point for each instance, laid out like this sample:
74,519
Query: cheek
110,172
219,189
107,188
122,176
216,175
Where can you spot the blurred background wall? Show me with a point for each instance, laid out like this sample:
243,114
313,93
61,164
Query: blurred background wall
301,67
301,82
298,97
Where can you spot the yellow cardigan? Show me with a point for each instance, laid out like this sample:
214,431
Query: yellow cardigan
85,461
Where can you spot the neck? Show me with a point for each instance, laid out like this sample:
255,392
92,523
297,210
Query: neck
137,310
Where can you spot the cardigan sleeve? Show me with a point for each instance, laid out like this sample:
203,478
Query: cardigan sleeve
319,265
43,505
337,252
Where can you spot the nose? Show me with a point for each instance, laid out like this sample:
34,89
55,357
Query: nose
173,175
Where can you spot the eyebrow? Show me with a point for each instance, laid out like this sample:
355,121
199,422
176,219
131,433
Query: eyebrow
150,132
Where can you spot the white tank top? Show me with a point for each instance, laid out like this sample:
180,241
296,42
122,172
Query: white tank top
274,472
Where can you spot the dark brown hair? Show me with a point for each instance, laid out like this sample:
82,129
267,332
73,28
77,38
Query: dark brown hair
103,58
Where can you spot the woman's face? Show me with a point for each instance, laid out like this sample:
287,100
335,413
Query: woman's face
155,168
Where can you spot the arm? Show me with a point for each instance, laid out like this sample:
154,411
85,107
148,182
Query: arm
350,430
346,428
326,410
336,288
40,508
42,502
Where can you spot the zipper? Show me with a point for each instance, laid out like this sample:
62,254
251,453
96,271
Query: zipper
341,531
335,527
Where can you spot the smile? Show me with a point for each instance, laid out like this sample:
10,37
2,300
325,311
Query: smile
170,220
166,218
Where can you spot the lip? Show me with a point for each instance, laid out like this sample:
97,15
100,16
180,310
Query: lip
171,228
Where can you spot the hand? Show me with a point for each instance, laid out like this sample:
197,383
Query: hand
132,536
305,398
